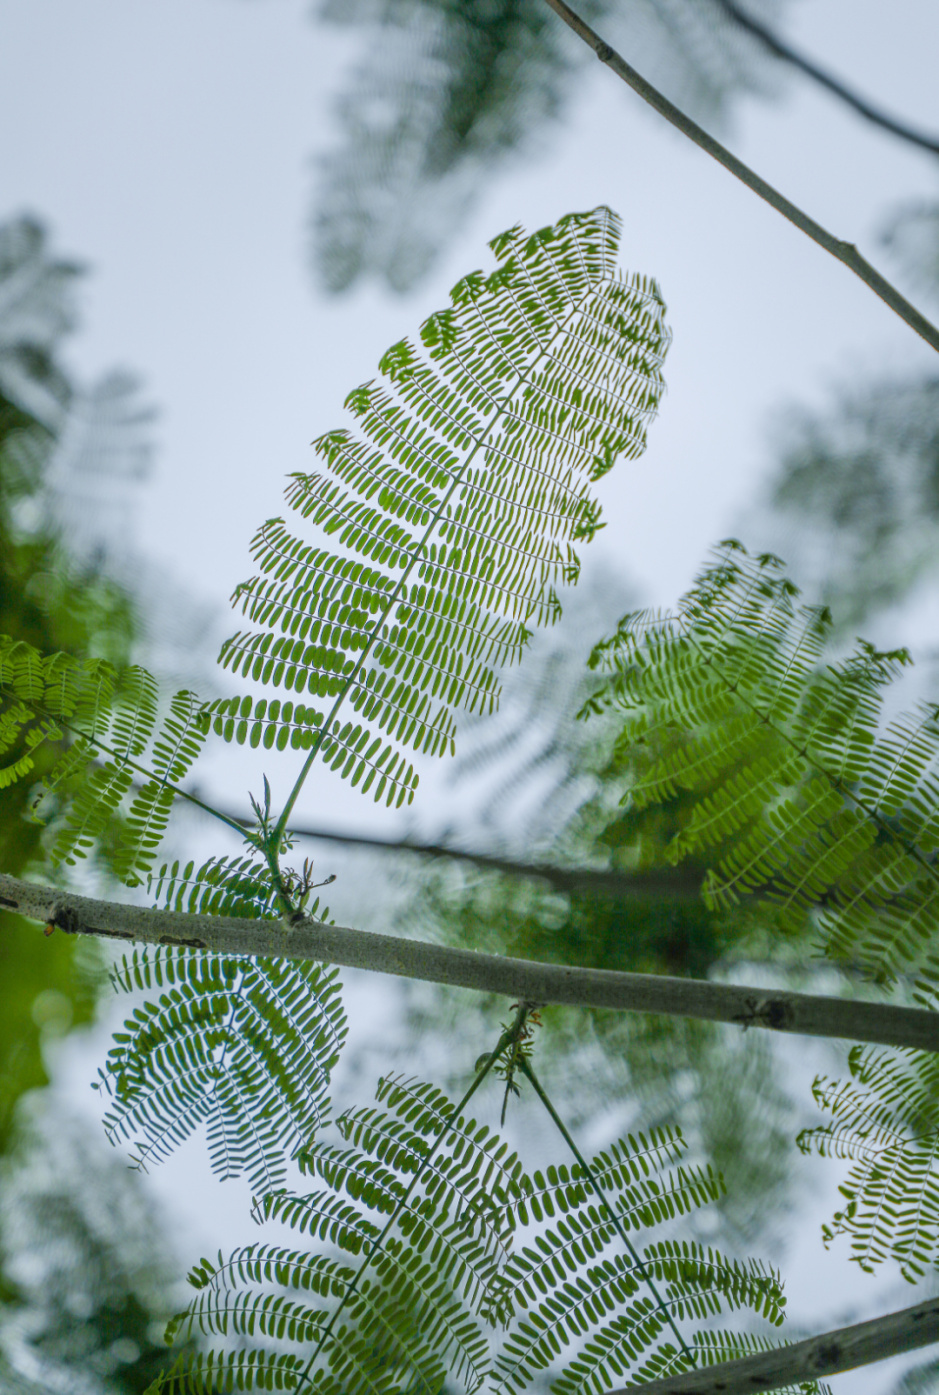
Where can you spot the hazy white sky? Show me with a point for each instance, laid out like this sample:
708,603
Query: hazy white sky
168,143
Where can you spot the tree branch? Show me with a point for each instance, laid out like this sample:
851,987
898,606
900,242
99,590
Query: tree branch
826,1355
860,104
519,979
844,252
674,884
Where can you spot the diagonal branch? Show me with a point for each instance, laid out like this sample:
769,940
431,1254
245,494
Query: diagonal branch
518,979
843,1349
672,883
606,1206
844,252
811,69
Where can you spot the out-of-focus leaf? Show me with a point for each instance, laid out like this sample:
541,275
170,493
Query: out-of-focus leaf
912,237
446,92
36,310
88,1267
862,483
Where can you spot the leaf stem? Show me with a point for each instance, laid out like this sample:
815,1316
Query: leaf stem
507,1037
527,1070
844,252
458,478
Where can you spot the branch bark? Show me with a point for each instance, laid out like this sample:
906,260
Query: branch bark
844,252
826,1355
674,883
520,979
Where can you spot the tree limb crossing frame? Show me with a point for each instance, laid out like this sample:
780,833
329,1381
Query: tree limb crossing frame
843,1349
844,252
523,980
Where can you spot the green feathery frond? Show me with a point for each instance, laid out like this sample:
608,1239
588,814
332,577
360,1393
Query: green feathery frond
802,793
419,1276
575,1281
886,1121
244,1045
99,730
235,886
239,886
454,508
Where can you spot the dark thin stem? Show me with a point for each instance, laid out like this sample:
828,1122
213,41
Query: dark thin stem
527,1070
674,883
844,252
506,1039
811,69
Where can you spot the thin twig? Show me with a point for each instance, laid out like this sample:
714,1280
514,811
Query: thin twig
672,884
844,252
811,69
518,979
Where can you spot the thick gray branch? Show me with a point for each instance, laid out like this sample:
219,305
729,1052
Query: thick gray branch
825,1355
845,252
519,979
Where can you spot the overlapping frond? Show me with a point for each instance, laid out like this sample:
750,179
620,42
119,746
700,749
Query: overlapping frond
418,1276
453,510
236,886
885,1120
802,792
576,1288
96,733
245,1046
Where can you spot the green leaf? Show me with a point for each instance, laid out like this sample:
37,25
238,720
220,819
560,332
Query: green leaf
802,792
245,1046
100,733
410,1276
452,509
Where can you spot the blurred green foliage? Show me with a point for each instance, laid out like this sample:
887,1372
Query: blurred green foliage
860,480
558,792
446,94
83,1292
54,605
86,1271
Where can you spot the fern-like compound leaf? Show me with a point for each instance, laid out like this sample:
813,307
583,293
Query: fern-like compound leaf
245,1046
802,793
88,732
576,1281
885,1120
413,1276
452,510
